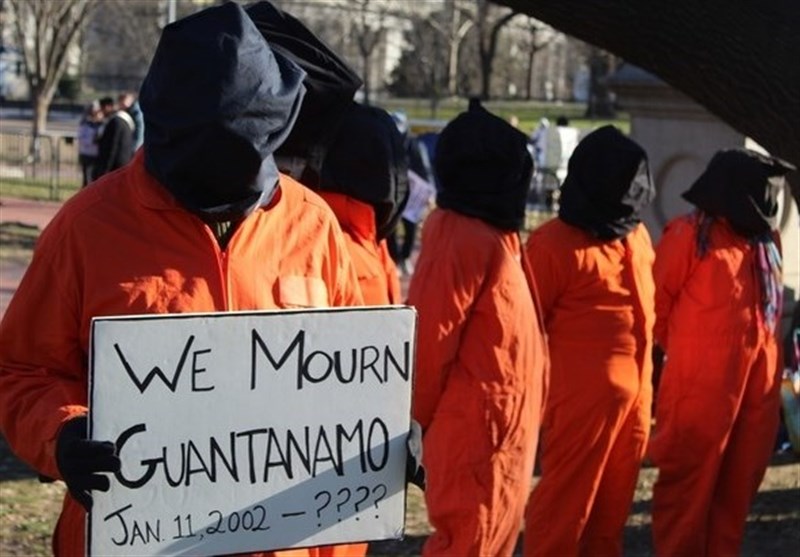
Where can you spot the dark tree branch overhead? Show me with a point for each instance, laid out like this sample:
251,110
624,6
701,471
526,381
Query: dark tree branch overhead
740,60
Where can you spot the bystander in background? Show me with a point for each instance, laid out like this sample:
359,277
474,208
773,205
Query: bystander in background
420,198
115,145
88,130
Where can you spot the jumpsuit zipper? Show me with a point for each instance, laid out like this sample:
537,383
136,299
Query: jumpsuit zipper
226,278
221,257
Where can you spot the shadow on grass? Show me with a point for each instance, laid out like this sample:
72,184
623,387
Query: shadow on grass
18,235
12,468
409,545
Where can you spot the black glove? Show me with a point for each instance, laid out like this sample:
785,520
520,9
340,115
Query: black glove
415,473
79,460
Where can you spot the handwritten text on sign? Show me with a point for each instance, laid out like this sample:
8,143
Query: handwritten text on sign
251,431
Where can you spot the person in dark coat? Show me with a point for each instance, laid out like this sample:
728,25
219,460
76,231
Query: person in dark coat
115,145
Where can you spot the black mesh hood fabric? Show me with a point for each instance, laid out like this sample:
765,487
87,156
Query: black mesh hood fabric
484,168
741,186
367,161
608,183
217,102
330,82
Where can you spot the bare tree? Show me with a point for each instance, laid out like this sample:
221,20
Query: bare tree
46,31
369,31
453,24
456,21
601,66
488,24
121,39
141,38
535,42
420,70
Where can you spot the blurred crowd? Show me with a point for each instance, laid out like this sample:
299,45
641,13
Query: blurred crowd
109,133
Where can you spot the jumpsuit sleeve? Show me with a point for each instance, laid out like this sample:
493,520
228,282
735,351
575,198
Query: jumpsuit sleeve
444,290
671,269
43,368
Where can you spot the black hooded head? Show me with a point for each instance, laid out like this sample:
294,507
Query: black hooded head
330,83
367,161
608,183
742,186
217,102
484,168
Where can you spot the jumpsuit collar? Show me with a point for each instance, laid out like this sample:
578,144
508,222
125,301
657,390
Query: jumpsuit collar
154,195
355,217
367,161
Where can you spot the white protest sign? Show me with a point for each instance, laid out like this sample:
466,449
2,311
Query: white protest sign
251,431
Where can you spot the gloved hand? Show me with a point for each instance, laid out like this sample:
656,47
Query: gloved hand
415,473
80,460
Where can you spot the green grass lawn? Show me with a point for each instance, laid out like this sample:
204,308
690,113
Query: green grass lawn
17,241
40,189
528,112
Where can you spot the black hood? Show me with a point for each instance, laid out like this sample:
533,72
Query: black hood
607,185
742,186
367,161
330,82
484,168
217,102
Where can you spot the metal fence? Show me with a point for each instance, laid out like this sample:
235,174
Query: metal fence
50,166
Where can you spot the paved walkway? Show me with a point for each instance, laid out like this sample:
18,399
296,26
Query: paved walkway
25,211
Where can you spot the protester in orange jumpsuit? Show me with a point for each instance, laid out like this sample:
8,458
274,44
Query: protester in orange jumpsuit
481,358
364,176
200,221
593,267
330,86
365,181
718,306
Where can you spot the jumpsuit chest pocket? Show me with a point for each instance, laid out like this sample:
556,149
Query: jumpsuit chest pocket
296,291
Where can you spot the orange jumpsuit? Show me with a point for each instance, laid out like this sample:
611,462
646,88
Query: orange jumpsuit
377,274
597,301
718,400
124,246
479,384
378,282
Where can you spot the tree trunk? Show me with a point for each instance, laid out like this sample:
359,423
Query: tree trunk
600,104
529,75
365,58
40,102
488,35
452,68
736,59
486,75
